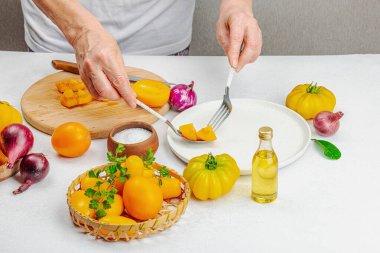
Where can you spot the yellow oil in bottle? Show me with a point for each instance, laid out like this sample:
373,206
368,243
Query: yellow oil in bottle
264,169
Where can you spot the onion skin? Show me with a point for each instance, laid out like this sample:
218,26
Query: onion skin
182,97
15,141
327,123
33,168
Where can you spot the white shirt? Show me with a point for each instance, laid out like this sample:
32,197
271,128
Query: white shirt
141,27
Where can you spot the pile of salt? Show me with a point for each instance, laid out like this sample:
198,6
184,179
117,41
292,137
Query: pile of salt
132,135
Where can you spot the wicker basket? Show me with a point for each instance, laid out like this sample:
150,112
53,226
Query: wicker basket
6,173
171,211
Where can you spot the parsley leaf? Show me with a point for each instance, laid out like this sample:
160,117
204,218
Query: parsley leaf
89,192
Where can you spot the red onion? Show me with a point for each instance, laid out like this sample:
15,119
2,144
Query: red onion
15,141
327,123
33,168
182,96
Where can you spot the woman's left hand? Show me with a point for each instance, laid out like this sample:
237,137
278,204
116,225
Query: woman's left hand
236,27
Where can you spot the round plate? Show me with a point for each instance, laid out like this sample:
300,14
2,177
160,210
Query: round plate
238,135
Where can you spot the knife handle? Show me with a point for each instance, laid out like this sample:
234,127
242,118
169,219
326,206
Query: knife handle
65,66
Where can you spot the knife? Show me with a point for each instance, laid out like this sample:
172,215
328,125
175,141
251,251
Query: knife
73,68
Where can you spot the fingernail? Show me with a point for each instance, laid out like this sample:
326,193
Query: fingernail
234,63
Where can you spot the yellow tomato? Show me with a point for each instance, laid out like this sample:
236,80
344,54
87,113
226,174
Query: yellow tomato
71,139
309,99
135,167
89,182
211,176
9,115
81,203
116,220
170,187
142,198
152,93
148,173
188,131
117,207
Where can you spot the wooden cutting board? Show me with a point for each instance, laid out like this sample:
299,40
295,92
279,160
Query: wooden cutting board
41,107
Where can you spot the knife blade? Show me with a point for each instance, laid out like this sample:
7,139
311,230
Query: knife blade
73,68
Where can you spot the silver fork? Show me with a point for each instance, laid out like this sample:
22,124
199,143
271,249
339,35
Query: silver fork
225,108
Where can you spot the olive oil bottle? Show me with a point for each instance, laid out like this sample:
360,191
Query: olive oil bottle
264,169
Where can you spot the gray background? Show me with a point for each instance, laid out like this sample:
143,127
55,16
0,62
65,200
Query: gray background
290,27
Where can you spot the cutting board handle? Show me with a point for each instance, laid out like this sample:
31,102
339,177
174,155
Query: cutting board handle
65,66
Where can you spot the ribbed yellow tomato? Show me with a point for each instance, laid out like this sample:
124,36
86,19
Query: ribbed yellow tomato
309,99
81,203
9,115
152,93
210,177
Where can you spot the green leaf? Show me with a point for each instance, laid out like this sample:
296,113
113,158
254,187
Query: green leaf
98,173
89,192
97,185
113,191
101,213
94,204
111,199
120,148
148,158
122,179
97,195
329,149
164,172
104,193
106,204
92,174
123,171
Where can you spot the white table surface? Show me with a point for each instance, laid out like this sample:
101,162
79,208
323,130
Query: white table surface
323,205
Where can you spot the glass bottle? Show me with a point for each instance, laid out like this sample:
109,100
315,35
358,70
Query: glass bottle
264,169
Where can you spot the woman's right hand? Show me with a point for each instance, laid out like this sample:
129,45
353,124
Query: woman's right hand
101,66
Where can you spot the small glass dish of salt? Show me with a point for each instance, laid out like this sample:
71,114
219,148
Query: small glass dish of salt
136,136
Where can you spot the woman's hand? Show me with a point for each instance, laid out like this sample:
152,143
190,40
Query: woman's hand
100,63
101,66
236,27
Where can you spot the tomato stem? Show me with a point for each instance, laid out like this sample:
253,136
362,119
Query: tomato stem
313,88
211,163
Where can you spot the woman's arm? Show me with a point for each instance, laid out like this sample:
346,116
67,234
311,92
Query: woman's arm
101,65
236,25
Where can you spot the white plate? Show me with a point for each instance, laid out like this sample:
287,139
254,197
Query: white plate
238,135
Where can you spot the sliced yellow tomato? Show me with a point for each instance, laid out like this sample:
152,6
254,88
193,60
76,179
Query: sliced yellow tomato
152,93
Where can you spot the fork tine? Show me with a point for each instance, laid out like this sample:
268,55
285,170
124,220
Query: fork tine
221,119
217,114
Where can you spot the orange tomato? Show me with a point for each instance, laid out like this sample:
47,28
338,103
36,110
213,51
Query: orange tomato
142,198
81,203
170,187
152,93
148,173
135,167
117,207
71,139
116,220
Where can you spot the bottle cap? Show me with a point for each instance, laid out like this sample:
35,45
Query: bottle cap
265,133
